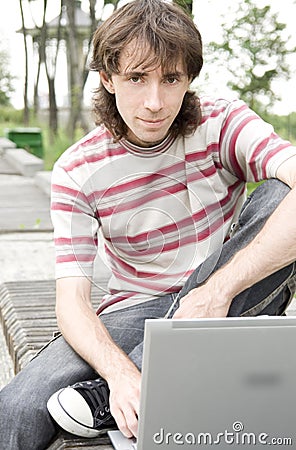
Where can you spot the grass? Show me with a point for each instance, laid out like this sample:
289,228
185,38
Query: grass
52,148
252,186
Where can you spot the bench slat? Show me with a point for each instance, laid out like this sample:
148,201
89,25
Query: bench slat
27,314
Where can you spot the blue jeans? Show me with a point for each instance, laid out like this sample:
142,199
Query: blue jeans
24,421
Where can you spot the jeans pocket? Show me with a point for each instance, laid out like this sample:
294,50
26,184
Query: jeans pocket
291,289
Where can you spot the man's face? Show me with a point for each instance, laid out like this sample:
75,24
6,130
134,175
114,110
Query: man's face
148,100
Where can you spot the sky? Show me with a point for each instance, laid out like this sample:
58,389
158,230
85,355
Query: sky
208,16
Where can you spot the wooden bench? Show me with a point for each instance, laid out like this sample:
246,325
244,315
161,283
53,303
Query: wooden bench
27,315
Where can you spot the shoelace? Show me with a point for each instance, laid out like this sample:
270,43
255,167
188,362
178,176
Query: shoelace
96,394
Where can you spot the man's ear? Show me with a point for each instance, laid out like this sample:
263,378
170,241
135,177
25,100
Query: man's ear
107,82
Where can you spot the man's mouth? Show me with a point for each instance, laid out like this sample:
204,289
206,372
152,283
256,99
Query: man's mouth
153,122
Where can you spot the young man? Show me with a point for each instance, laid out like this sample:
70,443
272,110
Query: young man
163,177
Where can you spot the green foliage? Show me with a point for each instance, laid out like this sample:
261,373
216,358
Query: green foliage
6,79
53,149
254,50
113,2
285,126
185,4
252,186
10,116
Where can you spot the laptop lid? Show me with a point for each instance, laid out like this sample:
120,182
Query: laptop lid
218,382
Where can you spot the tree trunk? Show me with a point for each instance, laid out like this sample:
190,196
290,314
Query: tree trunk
26,103
51,76
36,85
53,110
41,57
75,77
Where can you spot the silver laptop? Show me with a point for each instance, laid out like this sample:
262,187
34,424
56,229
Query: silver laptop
217,382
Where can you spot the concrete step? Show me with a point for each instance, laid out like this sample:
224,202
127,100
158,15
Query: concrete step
43,181
24,162
6,144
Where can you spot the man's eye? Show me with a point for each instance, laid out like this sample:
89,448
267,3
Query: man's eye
135,79
172,80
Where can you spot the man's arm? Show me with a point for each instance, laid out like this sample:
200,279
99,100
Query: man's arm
272,249
87,335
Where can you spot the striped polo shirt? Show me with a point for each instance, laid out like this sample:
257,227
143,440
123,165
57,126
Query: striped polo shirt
161,210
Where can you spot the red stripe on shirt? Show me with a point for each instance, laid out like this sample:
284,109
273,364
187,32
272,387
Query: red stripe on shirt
139,182
140,201
75,258
94,158
76,240
234,136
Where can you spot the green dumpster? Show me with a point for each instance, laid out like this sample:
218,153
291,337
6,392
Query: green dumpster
27,138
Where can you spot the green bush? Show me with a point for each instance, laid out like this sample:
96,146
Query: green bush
10,117
53,148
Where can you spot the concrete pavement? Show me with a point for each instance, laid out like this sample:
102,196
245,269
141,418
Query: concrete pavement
26,237
23,206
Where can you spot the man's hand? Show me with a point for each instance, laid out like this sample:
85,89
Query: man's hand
203,301
125,400
82,328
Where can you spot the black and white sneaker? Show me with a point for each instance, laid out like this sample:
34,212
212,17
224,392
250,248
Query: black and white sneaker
83,408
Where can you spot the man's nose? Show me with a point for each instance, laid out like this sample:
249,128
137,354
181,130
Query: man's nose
154,98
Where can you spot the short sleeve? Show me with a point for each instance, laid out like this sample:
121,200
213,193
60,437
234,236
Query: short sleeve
250,148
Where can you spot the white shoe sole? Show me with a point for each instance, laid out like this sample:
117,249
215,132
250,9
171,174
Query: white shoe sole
67,422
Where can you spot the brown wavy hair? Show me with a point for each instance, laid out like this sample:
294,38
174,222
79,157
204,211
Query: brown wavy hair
169,35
